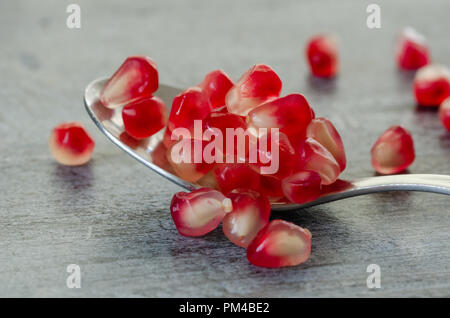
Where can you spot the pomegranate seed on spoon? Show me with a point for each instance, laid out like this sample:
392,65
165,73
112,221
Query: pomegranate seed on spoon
199,212
136,78
231,176
322,55
259,84
412,50
279,244
302,187
444,113
251,212
144,117
432,85
270,187
393,152
216,85
70,144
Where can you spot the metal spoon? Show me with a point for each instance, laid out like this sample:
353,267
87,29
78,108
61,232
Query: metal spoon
151,153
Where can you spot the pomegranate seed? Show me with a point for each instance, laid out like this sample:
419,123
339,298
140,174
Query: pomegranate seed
412,50
322,130
315,157
136,78
302,187
236,175
279,244
444,113
259,84
186,159
144,117
322,55
216,85
270,187
291,114
199,212
393,152
70,144
251,212
432,85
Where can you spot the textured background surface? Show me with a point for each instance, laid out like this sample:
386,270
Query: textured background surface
111,216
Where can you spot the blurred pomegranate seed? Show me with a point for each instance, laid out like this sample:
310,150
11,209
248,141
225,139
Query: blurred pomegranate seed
144,117
412,50
259,84
270,187
432,85
322,55
232,176
70,144
291,114
279,244
216,85
251,212
136,78
322,130
444,113
393,152
302,187
199,212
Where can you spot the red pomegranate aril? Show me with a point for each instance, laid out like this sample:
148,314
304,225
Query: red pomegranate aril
144,117
393,152
444,113
322,130
302,187
412,50
432,85
136,78
216,85
231,176
280,244
70,144
259,84
186,159
251,212
322,56
291,114
270,187
199,212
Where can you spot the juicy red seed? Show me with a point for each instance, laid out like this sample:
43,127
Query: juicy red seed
186,159
393,152
412,50
136,78
302,187
216,85
322,130
444,113
322,55
236,175
259,84
144,117
279,244
70,144
311,155
291,114
270,187
432,85
251,212
199,212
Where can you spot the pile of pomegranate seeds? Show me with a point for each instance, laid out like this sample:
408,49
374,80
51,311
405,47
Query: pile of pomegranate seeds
412,50
322,56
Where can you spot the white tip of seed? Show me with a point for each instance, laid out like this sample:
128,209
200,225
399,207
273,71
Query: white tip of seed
227,205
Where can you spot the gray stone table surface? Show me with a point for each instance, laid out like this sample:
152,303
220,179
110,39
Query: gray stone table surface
111,216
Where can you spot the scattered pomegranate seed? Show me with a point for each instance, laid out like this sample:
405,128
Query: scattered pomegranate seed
432,85
322,55
216,85
279,244
136,78
322,130
291,114
199,212
444,113
259,84
302,187
232,176
393,152
70,144
251,212
412,50
270,187
144,117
